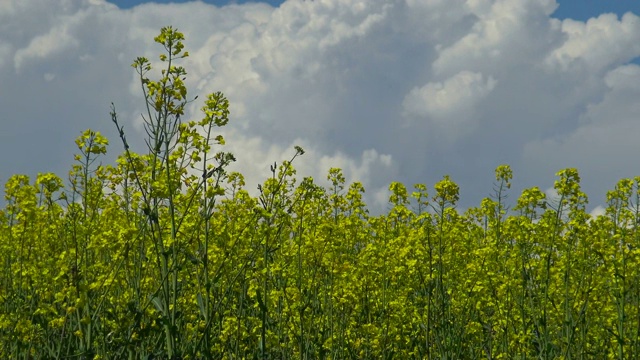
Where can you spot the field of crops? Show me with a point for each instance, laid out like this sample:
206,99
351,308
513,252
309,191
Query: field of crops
165,255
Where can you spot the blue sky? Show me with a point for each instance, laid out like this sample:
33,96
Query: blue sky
402,90
585,9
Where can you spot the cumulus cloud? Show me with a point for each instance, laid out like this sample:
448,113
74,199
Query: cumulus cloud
406,90
506,34
598,211
597,44
449,104
604,143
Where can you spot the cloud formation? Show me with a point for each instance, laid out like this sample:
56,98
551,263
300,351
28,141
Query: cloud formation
406,90
449,104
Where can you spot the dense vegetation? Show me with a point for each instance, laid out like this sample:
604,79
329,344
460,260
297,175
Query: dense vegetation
166,255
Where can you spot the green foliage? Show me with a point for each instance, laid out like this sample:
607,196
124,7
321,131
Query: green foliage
166,255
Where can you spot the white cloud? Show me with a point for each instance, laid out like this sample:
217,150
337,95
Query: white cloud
255,156
406,90
506,33
449,104
56,41
598,43
604,144
598,211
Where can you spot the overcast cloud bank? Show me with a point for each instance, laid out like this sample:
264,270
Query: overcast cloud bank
389,91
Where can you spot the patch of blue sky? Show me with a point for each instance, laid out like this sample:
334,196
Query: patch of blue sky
585,9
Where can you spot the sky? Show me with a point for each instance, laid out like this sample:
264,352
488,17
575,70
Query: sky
404,90
573,9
